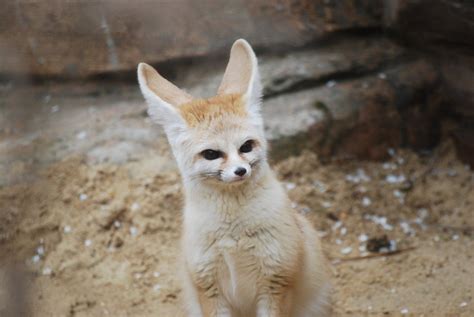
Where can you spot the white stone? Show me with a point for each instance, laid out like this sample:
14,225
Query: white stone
346,250
366,201
81,135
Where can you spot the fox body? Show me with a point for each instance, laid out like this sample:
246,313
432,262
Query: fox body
246,252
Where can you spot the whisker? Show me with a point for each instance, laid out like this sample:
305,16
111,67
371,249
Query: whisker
254,162
202,176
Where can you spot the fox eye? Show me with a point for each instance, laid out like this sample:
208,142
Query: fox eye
247,147
211,154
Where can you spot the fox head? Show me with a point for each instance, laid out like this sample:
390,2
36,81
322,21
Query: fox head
220,140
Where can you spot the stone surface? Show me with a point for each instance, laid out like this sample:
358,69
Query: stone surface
362,117
444,32
82,38
348,57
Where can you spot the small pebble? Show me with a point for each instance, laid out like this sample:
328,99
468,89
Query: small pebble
135,206
388,165
290,186
337,225
358,176
81,135
363,237
338,241
404,311
47,271
305,210
393,179
406,228
35,258
82,197
362,189
422,213
331,83
398,193
117,224
157,287
463,304
156,274
382,76
366,201
343,231
88,243
322,234
67,229
326,204
40,250
382,221
133,231
322,188
54,108
346,250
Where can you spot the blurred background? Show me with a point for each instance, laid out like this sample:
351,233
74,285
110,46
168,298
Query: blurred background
368,106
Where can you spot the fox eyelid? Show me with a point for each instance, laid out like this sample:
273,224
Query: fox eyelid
247,146
211,155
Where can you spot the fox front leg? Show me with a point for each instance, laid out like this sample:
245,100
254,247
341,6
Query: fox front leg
275,305
214,306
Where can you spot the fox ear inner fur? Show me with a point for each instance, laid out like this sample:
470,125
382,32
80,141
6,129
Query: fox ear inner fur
162,97
242,77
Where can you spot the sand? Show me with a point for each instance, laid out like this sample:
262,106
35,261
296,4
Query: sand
102,239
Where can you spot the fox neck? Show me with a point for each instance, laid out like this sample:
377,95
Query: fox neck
233,201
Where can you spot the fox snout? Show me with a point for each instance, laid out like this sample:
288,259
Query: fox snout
236,171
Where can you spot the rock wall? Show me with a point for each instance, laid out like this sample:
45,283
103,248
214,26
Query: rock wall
444,32
83,38
355,78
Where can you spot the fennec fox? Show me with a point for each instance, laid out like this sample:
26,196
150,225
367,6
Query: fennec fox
246,252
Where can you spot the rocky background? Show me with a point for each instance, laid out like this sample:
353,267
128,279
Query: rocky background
358,76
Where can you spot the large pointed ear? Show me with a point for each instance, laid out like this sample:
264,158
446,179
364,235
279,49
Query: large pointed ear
241,75
162,97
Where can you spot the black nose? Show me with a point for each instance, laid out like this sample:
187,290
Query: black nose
240,171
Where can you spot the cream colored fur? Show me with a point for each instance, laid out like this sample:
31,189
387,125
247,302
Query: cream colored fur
246,252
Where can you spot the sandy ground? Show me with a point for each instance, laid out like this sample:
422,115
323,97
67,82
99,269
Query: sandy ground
103,239
94,236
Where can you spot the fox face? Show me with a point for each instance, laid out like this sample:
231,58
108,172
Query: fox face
220,140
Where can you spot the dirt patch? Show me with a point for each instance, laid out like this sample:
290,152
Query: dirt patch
102,239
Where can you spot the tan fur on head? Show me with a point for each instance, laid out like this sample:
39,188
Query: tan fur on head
206,110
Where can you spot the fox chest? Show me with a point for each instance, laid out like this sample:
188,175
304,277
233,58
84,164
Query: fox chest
240,265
